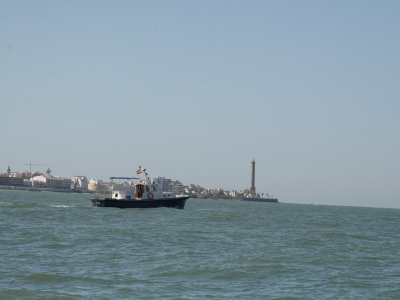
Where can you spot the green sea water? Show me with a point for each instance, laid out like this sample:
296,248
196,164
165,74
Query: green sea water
57,246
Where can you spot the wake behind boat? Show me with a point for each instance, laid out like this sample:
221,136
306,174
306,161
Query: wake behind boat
141,194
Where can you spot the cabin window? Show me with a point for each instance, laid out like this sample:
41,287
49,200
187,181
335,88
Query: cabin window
147,188
116,195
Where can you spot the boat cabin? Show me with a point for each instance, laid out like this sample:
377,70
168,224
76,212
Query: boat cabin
141,190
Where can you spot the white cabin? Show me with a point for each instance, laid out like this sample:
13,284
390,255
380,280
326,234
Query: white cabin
143,190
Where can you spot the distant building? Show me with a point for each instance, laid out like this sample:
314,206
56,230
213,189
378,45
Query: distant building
27,183
16,181
39,180
59,183
16,174
234,194
162,183
49,181
100,187
12,181
93,183
80,182
165,184
3,179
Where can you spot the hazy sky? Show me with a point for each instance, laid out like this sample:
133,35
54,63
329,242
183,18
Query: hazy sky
195,90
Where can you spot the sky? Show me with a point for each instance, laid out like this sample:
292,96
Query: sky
195,90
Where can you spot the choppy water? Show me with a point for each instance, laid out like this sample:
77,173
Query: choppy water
57,246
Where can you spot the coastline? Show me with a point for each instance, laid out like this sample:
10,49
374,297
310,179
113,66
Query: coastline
37,189
268,200
59,190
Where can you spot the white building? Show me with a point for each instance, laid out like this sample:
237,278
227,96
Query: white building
51,182
93,183
80,182
232,193
40,180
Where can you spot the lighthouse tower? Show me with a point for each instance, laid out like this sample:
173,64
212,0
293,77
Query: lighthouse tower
252,178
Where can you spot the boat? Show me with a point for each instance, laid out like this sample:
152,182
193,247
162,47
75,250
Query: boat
141,194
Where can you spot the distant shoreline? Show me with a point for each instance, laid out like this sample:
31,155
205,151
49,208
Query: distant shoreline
270,200
33,189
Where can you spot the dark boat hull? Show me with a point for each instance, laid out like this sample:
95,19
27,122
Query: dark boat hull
109,202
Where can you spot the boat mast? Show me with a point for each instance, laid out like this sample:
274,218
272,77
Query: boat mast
142,171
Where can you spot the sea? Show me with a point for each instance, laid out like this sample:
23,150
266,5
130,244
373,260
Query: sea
58,246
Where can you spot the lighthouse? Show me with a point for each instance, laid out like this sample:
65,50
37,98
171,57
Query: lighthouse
252,178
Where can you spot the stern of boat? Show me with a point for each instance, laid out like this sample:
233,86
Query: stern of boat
98,202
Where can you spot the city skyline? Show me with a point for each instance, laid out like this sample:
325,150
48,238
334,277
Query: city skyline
31,174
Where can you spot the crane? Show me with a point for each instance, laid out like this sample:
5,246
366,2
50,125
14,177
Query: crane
31,164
